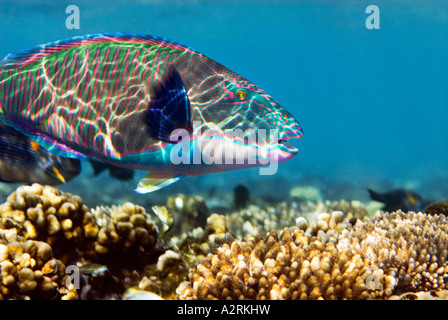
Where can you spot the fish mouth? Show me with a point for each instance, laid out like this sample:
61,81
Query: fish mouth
285,138
285,144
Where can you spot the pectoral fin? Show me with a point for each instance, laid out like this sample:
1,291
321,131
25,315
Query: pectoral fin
169,108
155,181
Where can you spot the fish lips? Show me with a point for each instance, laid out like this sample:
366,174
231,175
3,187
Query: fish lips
284,142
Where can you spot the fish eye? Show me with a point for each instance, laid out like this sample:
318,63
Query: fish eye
241,94
285,116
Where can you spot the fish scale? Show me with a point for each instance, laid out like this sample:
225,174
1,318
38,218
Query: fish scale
117,98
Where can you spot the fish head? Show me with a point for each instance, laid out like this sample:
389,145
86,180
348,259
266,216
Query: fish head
244,116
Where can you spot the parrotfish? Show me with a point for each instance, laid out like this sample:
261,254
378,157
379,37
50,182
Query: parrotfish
23,160
143,102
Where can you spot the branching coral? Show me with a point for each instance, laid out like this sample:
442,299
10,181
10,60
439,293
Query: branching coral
408,247
388,255
285,266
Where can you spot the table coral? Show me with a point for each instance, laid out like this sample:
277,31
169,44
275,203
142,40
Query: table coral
387,255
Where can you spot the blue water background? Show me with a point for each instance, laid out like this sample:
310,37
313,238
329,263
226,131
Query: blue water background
373,103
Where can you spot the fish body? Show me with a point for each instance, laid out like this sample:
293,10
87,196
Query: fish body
399,199
118,98
23,160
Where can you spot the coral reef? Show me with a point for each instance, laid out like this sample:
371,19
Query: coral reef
62,220
120,236
28,270
388,255
410,248
124,230
286,250
46,214
172,266
164,277
255,220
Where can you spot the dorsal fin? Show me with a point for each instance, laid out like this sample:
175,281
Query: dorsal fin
30,55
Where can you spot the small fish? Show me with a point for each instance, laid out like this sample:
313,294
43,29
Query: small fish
23,160
115,172
166,217
406,200
93,268
129,99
